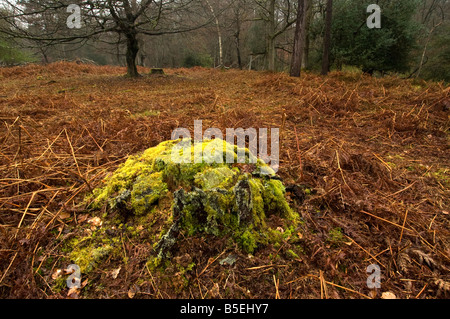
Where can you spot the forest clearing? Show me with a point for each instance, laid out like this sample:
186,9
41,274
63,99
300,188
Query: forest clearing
365,162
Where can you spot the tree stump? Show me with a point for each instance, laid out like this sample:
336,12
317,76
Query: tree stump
156,71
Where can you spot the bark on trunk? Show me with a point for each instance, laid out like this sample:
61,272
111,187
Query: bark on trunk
132,51
219,34
308,12
44,55
271,53
299,40
238,51
237,37
327,39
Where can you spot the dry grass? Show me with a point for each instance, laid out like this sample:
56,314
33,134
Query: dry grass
375,152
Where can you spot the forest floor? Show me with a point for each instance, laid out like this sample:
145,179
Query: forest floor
374,152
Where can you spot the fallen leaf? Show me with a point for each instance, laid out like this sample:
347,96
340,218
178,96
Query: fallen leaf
82,218
68,271
73,293
95,221
132,291
348,243
64,215
388,295
57,274
115,272
84,283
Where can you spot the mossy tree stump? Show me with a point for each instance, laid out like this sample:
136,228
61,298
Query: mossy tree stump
218,199
156,71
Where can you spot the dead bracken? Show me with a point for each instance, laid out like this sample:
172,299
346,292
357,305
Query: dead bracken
364,162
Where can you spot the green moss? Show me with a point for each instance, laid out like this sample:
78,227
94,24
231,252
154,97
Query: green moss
248,241
335,236
88,257
124,177
208,196
275,235
157,164
258,209
215,177
443,176
155,263
88,251
263,169
392,165
292,254
274,200
59,284
146,191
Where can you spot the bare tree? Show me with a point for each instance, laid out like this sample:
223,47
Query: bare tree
327,39
124,19
432,16
239,16
299,38
219,33
306,47
278,16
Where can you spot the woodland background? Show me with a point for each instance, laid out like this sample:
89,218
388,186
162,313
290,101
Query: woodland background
248,34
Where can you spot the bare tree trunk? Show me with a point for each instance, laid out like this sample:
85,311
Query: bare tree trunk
219,34
327,39
44,54
271,52
238,50
299,40
308,12
45,58
237,38
132,51
425,49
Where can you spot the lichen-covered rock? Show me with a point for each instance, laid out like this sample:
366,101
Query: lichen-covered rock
209,196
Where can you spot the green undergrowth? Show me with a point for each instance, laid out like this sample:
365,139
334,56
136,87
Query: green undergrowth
170,190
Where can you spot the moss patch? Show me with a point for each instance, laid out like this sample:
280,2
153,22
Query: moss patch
191,195
335,236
